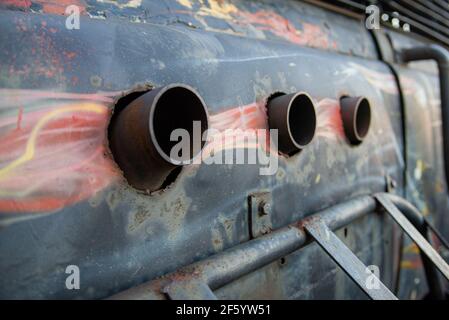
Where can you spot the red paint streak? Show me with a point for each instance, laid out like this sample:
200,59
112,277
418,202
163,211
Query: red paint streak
59,6
247,119
48,6
19,117
70,163
266,20
253,116
20,4
329,123
311,35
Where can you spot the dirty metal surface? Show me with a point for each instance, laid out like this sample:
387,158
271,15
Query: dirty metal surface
346,259
63,200
287,21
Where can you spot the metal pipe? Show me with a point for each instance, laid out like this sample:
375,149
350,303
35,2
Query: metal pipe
233,263
441,56
140,134
222,268
294,116
356,117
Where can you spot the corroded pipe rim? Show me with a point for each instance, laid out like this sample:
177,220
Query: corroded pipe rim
295,96
361,136
153,108
356,122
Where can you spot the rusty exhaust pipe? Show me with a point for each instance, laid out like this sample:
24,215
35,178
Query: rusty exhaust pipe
140,134
356,117
294,116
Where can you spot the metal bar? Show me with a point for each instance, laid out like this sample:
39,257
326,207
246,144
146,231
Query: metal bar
222,268
347,260
437,234
415,16
436,288
441,56
235,262
413,233
193,289
423,28
428,9
444,4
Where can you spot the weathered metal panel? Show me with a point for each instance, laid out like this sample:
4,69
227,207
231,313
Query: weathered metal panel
426,187
58,89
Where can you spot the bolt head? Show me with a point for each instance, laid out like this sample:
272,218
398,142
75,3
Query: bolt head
265,208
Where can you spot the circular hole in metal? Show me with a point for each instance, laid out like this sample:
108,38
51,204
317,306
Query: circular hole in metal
178,108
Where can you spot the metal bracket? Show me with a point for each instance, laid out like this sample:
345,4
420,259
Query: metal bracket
260,212
347,260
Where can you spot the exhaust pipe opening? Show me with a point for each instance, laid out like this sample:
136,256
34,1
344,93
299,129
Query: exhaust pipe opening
178,108
356,117
294,116
141,137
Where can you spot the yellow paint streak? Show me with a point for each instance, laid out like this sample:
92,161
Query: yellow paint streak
407,265
218,9
412,248
185,3
419,169
425,211
31,143
129,4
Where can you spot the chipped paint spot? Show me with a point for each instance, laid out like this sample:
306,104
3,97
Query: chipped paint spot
280,175
217,240
96,81
167,208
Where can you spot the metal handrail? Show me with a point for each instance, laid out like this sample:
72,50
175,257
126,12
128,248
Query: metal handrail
198,280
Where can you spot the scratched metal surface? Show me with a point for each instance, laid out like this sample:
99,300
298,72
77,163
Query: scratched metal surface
63,200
